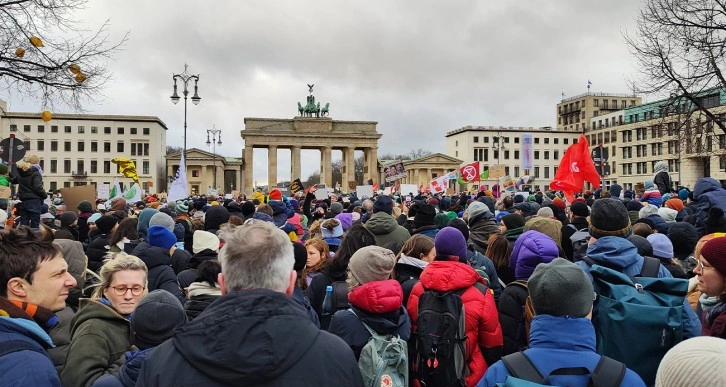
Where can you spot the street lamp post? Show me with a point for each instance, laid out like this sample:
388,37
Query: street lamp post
185,77
216,136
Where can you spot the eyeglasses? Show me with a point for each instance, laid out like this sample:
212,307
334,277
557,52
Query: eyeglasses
121,290
699,265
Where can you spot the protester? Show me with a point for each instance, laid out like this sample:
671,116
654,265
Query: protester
155,252
204,290
694,363
206,247
383,225
34,283
298,295
68,226
29,178
661,178
711,273
224,345
416,253
101,246
481,224
123,234
318,254
101,330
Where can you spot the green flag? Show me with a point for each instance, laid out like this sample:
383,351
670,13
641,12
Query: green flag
484,175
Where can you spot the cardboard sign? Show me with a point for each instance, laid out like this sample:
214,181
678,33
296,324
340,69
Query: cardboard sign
104,190
72,196
351,185
496,171
321,194
394,171
362,190
5,192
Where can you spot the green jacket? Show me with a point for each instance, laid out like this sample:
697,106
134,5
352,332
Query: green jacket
99,338
385,229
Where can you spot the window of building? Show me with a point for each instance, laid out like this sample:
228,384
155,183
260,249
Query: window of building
146,131
506,155
94,166
133,149
66,184
145,167
13,128
596,103
106,130
495,154
94,129
53,166
94,146
28,145
536,172
107,147
536,155
536,140
66,166
67,146
516,140
506,140
106,166
516,171
54,129
41,128
516,155
476,138
457,143
547,140
67,129
81,146
120,146
119,130
485,139
195,173
133,130
53,186
54,146
41,145
146,149
81,130
547,155
565,141
546,172
80,167
26,128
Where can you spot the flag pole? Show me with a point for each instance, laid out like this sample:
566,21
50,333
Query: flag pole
602,169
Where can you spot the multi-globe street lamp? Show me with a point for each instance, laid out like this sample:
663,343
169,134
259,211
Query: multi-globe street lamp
216,136
185,77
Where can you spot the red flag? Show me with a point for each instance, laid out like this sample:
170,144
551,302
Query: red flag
470,172
575,168
375,187
420,187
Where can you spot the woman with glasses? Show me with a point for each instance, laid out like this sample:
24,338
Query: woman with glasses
101,330
711,274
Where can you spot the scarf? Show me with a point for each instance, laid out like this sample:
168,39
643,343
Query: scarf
18,309
715,312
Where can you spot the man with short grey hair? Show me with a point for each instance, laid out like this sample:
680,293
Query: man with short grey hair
255,334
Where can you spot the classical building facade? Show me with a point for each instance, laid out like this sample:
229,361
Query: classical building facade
575,113
77,149
201,167
424,169
504,146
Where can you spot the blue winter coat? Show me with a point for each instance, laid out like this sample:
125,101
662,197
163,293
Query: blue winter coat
616,252
26,368
707,193
477,260
559,342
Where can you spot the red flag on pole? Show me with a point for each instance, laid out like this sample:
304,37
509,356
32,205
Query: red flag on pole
470,172
575,168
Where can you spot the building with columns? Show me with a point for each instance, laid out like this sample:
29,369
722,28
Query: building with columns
424,169
201,168
321,133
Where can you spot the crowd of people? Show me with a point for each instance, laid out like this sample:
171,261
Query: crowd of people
462,290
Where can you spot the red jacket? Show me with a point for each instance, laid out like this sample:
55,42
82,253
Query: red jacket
481,320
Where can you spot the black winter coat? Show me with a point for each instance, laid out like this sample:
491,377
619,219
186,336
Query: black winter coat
161,275
567,231
30,184
511,318
316,291
96,252
252,338
180,260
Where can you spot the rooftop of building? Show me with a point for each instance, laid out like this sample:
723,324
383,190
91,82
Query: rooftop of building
86,117
472,128
599,94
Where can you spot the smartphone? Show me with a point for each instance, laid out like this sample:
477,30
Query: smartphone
408,199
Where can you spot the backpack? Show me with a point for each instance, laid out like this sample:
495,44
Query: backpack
579,242
637,319
340,300
383,360
441,338
527,315
607,372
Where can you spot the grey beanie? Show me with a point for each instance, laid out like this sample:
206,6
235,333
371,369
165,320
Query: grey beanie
162,219
560,288
476,208
647,210
156,317
336,207
609,217
370,263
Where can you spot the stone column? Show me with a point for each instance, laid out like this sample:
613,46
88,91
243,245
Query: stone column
204,187
349,165
326,169
371,160
249,186
271,167
295,169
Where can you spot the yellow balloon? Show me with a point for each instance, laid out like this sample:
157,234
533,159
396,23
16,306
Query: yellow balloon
20,52
80,77
75,69
35,41
46,116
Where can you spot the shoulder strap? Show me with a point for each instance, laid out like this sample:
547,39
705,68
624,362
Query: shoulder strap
589,261
519,366
572,226
11,346
481,287
519,283
651,267
608,372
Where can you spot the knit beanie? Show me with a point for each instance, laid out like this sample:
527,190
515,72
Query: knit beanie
215,217
105,224
67,218
156,317
370,263
85,206
275,194
644,247
383,204
460,225
545,212
202,240
675,204
441,220
450,242
713,252
683,194
668,214
425,216
580,209
513,221
160,236
684,237
475,209
162,219
628,194
301,256
615,190
609,217
518,199
248,208
634,205
559,203
647,210
561,288
662,246
336,208
695,362
182,207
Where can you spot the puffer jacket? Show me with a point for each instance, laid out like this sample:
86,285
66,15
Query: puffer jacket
378,304
480,227
483,332
280,216
531,249
386,230
30,184
511,317
707,193
161,275
200,295
97,251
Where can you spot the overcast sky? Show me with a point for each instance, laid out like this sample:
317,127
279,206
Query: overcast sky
416,67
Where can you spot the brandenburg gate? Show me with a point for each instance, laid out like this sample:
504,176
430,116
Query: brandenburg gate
310,130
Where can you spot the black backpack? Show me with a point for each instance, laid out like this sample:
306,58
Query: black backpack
607,372
441,338
340,301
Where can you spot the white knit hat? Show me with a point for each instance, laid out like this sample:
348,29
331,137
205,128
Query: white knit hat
204,240
699,361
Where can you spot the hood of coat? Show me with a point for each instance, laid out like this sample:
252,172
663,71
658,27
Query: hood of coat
151,255
705,185
445,276
377,296
531,249
381,223
613,252
246,336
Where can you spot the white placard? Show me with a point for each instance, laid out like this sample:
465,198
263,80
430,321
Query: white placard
409,189
321,194
366,190
104,190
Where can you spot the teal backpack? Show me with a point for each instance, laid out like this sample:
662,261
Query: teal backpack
384,360
637,319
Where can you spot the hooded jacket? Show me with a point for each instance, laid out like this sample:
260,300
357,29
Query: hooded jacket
661,178
386,230
200,295
480,227
707,193
161,275
483,332
408,270
378,304
559,342
99,338
214,218
252,337
97,251
616,252
76,260
280,215
30,184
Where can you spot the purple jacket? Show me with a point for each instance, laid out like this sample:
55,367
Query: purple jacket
531,249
